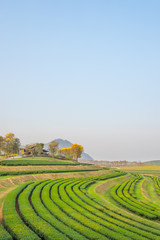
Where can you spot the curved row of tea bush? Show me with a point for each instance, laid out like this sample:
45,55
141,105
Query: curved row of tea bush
157,184
63,209
87,217
78,222
12,220
38,203
124,194
115,210
36,223
20,219
4,234
135,190
137,230
99,216
135,224
146,194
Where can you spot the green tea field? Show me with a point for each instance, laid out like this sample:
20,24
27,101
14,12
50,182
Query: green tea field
92,203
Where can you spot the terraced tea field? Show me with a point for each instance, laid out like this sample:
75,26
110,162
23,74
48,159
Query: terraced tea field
151,169
111,206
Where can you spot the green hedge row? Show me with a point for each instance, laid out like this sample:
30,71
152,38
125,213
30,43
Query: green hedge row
126,191
27,172
79,223
4,235
107,215
109,225
36,162
157,184
12,221
118,213
52,202
44,213
85,216
121,195
140,197
43,229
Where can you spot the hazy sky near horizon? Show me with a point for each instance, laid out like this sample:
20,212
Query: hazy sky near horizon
86,71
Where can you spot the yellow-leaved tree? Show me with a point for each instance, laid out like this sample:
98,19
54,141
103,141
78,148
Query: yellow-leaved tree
76,151
11,144
1,143
65,152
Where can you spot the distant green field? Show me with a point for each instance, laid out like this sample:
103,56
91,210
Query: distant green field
154,162
36,162
151,170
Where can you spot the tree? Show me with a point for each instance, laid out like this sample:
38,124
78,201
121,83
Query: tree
16,145
38,148
76,151
8,143
53,147
28,149
11,144
35,149
1,143
66,152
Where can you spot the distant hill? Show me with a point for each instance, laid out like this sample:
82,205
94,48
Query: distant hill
153,162
65,144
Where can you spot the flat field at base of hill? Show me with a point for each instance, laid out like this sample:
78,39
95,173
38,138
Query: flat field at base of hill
147,170
141,168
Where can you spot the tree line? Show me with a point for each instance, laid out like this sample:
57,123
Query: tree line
74,151
10,145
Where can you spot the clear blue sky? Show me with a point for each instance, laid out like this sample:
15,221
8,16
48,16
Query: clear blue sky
87,71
